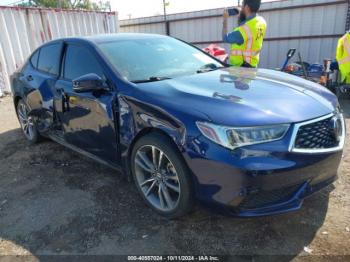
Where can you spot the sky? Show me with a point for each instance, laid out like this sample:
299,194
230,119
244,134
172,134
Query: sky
142,8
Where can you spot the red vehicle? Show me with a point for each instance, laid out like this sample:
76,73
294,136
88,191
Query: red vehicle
217,51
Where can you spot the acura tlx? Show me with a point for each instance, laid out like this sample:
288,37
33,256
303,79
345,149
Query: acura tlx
182,125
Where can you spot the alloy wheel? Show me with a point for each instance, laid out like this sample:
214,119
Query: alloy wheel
26,121
157,178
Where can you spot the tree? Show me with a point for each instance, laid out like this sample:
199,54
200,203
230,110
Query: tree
70,4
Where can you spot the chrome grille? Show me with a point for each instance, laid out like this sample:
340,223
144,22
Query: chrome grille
316,135
321,135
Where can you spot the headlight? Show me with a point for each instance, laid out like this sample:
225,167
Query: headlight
232,137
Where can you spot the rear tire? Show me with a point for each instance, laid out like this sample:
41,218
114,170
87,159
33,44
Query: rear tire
27,123
161,176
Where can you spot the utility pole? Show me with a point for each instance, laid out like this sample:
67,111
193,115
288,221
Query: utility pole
166,22
164,9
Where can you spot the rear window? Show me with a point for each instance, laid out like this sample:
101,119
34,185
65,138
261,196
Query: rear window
49,59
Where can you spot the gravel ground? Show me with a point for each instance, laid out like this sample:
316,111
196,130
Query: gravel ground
55,202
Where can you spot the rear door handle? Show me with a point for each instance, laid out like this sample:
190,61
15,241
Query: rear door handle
29,78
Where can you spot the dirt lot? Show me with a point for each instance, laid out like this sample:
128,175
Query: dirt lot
54,201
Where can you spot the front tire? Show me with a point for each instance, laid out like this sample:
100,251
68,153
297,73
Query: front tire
27,123
161,176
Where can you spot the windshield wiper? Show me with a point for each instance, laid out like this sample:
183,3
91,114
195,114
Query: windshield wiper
151,79
208,68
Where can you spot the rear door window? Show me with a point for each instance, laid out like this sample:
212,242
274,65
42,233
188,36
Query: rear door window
49,59
80,61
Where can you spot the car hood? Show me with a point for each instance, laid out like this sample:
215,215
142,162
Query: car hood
244,97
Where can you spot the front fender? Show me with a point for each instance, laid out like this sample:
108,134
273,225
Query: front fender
137,118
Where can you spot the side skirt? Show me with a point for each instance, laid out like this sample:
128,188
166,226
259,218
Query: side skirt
61,141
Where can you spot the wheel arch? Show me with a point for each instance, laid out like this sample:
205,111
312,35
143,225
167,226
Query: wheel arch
147,131
16,99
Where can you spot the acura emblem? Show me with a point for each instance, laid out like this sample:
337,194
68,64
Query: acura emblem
336,127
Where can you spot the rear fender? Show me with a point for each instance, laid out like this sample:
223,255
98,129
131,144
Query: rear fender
40,103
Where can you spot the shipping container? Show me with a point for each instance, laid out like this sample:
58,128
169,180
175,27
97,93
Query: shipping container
24,29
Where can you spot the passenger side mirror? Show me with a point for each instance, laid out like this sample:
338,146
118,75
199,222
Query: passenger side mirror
88,83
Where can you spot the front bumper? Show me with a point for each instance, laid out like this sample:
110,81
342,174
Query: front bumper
258,180
291,202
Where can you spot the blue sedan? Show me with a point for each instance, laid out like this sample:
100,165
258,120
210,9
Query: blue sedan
181,124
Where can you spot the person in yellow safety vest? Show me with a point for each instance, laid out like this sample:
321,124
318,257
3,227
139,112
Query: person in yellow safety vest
343,58
247,39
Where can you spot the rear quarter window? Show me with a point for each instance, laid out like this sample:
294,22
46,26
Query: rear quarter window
49,59
34,59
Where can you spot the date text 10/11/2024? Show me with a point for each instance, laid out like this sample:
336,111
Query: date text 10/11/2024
173,258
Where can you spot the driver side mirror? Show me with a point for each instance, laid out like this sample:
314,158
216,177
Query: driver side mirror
88,83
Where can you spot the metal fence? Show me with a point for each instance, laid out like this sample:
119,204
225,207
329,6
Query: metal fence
311,26
24,29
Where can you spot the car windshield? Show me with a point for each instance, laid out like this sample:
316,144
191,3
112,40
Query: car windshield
156,59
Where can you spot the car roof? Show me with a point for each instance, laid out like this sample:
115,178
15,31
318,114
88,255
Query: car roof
121,36
97,39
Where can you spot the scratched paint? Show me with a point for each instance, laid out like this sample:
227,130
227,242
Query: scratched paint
24,29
